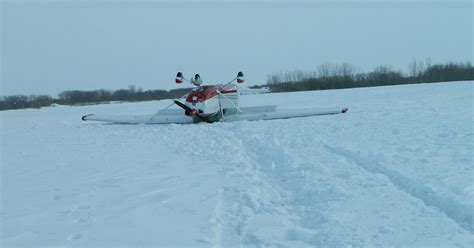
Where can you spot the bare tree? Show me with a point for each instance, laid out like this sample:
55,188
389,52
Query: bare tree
413,70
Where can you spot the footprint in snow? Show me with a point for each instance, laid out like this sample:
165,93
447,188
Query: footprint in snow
85,220
83,207
74,237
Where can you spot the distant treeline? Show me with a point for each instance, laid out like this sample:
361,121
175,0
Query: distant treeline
327,76
77,97
330,76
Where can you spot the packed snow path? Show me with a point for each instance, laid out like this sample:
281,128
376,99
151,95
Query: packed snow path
396,170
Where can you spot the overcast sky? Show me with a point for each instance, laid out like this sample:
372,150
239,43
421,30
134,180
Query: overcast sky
51,46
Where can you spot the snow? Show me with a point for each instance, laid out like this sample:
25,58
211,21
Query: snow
396,170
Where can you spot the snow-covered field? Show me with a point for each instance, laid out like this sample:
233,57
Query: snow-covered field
396,170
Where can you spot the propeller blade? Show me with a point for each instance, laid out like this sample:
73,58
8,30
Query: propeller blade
187,110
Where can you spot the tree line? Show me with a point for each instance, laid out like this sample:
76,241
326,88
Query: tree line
339,76
78,97
326,76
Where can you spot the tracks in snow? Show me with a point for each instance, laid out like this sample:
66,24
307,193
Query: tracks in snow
250,208
293,182
462,214
252,211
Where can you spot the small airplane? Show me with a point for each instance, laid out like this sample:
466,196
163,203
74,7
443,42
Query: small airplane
213,103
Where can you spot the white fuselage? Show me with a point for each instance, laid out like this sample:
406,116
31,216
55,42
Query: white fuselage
212,100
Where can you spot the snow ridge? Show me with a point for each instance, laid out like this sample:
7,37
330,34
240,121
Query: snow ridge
458,212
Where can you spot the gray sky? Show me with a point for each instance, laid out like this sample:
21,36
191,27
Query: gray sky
51,46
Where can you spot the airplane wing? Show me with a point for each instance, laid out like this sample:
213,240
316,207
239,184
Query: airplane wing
177,116
284,114
140,119
248,91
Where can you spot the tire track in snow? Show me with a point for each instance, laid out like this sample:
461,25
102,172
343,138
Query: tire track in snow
460,213
262,219
246,192
274,156
250,209
215,221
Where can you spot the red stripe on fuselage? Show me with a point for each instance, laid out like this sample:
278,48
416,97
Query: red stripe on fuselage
207,93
